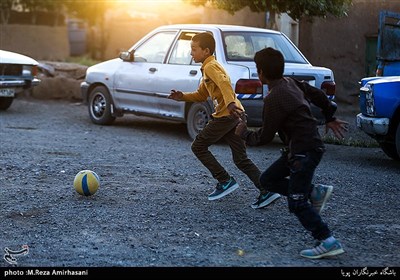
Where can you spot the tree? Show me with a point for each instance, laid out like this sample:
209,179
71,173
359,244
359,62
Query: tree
35,6
5,10
295,9
93,12
31,6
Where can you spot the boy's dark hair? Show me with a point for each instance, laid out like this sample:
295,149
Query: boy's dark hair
271,62
206,40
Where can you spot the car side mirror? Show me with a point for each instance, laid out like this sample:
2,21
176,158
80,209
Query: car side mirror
127,56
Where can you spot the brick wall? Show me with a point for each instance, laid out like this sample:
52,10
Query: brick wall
41,42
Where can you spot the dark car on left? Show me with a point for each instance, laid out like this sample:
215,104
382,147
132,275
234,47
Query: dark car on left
17,73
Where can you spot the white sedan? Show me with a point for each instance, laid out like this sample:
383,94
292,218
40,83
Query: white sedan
140,80
17,73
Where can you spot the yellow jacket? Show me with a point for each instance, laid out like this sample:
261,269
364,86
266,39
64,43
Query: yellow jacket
216,84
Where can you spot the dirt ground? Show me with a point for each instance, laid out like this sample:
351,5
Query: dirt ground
151,210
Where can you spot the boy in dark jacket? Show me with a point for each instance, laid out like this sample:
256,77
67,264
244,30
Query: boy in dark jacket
287,111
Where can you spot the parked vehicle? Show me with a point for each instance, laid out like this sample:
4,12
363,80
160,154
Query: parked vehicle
17,73
140,80
388,47
379,99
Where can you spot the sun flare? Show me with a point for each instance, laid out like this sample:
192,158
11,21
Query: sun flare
150,3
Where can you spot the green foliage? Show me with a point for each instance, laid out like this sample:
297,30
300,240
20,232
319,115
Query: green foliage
367,143
33,5
92,11
82,60
6,4
295,9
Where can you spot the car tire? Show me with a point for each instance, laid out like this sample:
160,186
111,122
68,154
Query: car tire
397,141
390,149
99,106
197,118
5,103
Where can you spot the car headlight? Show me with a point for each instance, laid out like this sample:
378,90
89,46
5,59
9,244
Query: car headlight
29,70
368,91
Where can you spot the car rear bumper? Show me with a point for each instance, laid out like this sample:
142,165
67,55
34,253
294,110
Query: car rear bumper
373,126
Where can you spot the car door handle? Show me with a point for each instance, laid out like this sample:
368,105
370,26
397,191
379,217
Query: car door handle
152,69
193,72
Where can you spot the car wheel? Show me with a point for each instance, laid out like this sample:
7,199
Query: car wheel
390,148
100,106
198,117
5,102
397,140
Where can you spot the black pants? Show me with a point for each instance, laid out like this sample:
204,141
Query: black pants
215,130
292,177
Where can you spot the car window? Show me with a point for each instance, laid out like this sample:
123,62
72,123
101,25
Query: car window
181,51
237,48
241,46
155,49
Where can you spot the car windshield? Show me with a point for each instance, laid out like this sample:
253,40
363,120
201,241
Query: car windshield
241,46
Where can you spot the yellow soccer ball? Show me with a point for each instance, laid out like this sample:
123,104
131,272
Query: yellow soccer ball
86,182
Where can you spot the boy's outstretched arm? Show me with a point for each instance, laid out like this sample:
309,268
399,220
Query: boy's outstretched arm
338,127
175,95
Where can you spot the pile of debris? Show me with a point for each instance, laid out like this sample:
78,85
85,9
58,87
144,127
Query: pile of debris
59,80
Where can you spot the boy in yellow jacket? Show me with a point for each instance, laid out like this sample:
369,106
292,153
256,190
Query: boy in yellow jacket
228,110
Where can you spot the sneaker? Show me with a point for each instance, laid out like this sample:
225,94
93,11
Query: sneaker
324,249
223,189
319,196
265,200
